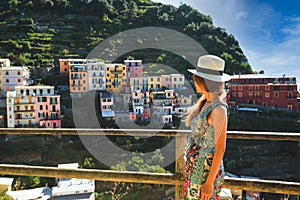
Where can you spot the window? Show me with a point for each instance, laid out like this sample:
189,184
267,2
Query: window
7,80
41,107
267,87
267,94
19,73
7,73
240,87
276,94
49,91
240,94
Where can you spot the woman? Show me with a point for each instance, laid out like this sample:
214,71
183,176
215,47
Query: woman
208,122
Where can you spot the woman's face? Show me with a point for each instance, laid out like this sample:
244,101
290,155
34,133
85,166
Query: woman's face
206,86
200,85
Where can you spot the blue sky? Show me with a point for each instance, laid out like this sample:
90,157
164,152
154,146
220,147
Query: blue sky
268,31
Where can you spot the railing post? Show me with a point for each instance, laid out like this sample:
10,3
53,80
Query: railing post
179,168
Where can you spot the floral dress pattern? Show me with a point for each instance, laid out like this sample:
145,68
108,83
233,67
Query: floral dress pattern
199,154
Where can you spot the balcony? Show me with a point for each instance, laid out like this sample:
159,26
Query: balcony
116,71
270,186
23,110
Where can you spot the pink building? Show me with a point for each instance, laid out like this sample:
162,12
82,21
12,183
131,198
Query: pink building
106,105
33,106
166,81
134,69
47,111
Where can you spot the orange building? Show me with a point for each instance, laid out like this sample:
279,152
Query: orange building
66,64
78,78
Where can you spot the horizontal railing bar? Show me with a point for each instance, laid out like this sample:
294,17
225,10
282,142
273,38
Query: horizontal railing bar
270,186
93,174
148,132
279,136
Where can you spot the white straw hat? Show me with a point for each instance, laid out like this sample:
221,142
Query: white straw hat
212,68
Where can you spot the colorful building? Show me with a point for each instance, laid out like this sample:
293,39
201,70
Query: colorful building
4,62
181,104
33,106
96,75
173,81
13,76
162,106
154,82
78,78
66,64
115,77
263,91
139,83
134,69
107,105
140,106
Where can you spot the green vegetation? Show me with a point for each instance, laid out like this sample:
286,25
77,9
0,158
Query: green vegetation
38,32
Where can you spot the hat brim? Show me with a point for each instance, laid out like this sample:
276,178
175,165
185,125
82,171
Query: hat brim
223,78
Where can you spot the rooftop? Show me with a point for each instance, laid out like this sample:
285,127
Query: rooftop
249,76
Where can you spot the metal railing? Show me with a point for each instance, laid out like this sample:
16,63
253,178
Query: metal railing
177,179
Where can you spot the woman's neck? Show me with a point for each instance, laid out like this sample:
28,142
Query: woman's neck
213,98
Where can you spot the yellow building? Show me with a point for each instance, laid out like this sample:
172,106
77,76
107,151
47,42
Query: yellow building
115,77
154,82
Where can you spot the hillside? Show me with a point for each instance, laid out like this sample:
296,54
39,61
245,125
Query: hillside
38,32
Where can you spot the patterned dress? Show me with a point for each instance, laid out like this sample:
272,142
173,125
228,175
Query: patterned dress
199,154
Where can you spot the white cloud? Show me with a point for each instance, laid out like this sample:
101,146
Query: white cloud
270,40
241,14
295,30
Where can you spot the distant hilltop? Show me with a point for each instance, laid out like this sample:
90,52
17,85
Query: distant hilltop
38,33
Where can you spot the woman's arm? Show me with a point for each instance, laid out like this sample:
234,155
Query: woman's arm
218,119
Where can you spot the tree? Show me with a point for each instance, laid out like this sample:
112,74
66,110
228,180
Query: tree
13,3
35,181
